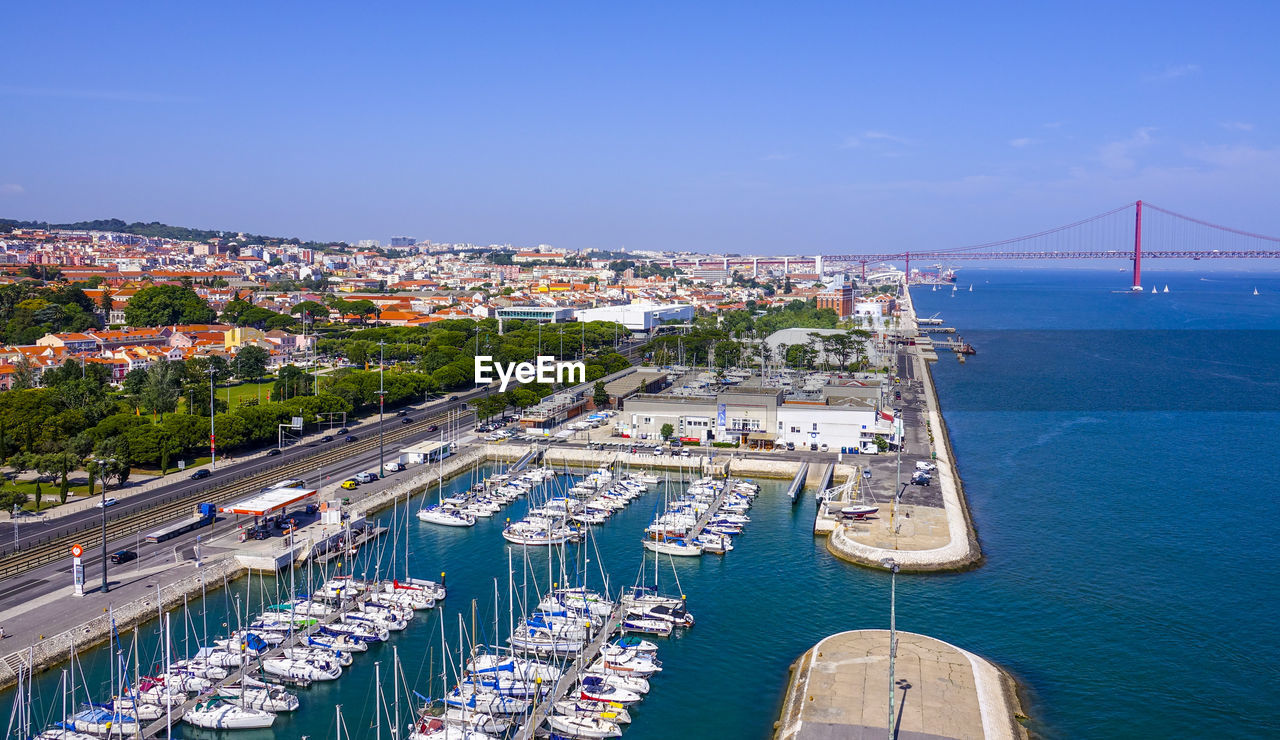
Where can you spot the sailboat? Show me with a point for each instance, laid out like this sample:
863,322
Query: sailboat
447,514
1255,291
1153,289
970,288
1166,288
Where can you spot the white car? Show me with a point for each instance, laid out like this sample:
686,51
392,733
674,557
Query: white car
105,503
393,466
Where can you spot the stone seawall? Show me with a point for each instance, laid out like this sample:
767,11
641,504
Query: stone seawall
52,650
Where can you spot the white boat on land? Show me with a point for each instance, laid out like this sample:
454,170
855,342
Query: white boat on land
216,714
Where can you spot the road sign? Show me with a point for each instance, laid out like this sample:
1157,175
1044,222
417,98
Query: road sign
297,422
182,465
76,551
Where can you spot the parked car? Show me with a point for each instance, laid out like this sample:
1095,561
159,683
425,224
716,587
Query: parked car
261,533
351,438
201,473
273,452
366,477
349,484
105,503
393,466
123,556
791,445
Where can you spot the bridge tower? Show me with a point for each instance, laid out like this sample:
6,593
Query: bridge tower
1137,249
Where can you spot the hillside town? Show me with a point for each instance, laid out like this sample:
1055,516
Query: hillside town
122,346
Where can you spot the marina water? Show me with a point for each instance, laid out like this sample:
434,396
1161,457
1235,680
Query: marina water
1117,451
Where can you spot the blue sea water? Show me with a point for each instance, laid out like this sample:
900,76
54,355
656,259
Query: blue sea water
1118,454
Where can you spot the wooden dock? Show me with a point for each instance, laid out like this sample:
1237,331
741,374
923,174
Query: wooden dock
570,678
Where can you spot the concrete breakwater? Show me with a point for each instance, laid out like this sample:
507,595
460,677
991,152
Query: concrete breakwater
839,688
918,538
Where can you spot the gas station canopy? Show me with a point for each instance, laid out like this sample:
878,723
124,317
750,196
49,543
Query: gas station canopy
268,502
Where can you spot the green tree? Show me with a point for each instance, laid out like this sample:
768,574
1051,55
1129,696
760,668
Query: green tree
11,497
250,362
601,396
162,387
160,305
105,305
667,430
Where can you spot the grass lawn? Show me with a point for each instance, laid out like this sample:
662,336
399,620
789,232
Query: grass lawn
48,493
236,395
192,463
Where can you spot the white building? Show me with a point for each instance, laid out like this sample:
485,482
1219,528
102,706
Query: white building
641,317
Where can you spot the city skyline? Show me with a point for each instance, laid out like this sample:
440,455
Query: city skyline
797,130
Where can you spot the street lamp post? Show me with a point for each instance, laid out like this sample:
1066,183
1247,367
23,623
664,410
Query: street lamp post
213,453
893,632
102,474
381,399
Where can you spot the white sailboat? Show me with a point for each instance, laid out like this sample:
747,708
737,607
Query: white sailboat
216,714
1166,288
1255,291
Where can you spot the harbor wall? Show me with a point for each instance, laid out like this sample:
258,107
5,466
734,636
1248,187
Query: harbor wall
963,551
54,649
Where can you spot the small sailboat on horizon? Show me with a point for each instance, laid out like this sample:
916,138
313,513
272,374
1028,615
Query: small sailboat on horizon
1166,288
1255,291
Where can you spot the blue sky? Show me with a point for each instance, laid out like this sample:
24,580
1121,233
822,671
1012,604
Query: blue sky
790,127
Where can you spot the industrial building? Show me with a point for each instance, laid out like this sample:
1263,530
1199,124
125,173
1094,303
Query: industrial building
843,414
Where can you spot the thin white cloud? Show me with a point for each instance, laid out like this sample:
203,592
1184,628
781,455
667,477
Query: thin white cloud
1174,72
1119,155
117,96
873,137
12,188
1021,143
1237,126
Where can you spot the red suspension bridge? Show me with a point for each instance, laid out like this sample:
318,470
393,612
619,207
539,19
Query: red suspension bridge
1131,232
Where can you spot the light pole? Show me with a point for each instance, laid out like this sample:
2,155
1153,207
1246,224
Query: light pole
213,454
893,631
102,474
381,398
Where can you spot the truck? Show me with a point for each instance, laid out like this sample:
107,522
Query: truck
203,517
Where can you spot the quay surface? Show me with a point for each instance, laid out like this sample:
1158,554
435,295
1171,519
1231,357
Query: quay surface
839,690
918,537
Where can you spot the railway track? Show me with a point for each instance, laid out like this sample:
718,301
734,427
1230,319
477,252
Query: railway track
183,501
